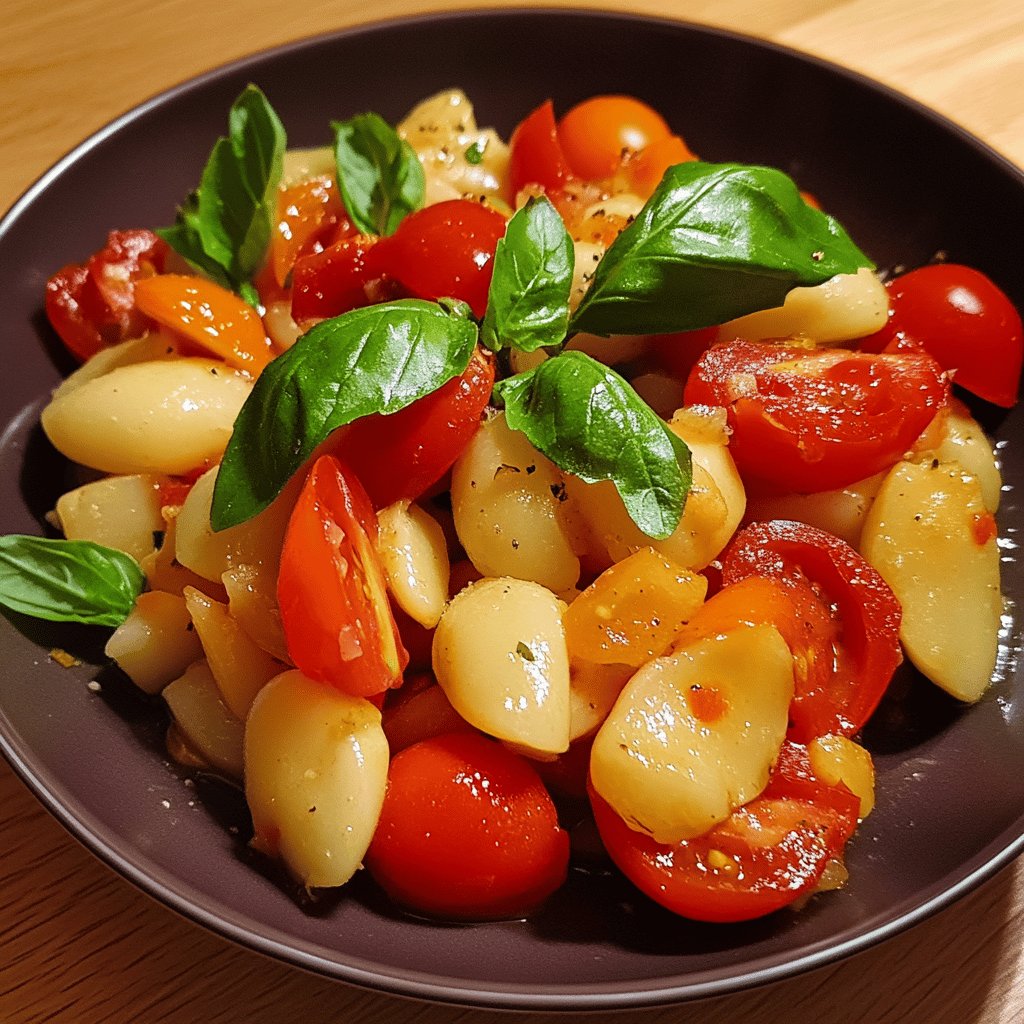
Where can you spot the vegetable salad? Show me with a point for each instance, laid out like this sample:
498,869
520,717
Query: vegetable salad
440,484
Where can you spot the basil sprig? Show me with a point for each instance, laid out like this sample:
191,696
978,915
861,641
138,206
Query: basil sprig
380,176
714,242
223,228
528,300
68,580
378,359
591,423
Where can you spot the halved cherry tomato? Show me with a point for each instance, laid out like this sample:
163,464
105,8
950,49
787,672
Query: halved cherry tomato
310,216
402,455
467,831
535,153
850,618
810,421
648,167
763,857
445,250
331,589
343,277
964,321
597,134
209,315
92,305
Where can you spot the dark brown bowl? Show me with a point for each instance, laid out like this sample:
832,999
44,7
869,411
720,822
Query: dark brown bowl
950,786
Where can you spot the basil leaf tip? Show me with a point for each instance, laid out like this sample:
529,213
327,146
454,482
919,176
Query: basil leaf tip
223,227
68,580
378,359
591,423
379,175
714,242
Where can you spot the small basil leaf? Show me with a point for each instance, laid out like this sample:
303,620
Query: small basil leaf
714,242
68,580
528,300
378,359
379,174
475,153
591,423
223,228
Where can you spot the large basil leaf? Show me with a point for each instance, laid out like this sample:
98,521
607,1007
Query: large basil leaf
379,174
714,242
591,423
373,360
68,580
528,300
223,228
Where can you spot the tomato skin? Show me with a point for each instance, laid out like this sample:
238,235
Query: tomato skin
846,601
467,831
334,607
964,321
535,153
808,421
310,216
648,167
771,851
402,455
338,279
445,251
92,304
596,134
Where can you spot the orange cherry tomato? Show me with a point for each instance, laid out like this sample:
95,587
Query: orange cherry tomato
331,589
597,133
648,167
209,315
467,831
310,216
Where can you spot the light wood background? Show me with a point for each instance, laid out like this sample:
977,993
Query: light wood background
78,944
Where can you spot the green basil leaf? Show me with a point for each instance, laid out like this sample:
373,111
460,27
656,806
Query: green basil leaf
223,228
528,300
379,174
591,423
68,580
474,154
714,242
378,359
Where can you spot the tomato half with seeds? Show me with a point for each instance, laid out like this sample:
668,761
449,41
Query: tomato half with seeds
813,420
342,277
847,611
467,831
331,588
402,455
762,858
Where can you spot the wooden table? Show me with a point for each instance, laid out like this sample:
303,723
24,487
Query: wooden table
78,944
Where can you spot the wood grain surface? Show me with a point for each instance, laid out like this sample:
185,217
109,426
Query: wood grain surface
80,945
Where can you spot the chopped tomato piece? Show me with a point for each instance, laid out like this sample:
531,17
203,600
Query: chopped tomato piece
648,167
535,153
343,277
310,216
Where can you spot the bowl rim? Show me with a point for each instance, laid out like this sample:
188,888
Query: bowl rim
159,884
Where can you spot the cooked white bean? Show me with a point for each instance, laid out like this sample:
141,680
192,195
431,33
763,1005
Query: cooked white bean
316,767
500,657
156,417
162,568
414,555
302,164
252,600
593,690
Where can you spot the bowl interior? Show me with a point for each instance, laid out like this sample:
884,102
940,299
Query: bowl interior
905,184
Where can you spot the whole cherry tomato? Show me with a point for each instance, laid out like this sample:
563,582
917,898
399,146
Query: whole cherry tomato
964,321
331,588
806,421
760,859
467,831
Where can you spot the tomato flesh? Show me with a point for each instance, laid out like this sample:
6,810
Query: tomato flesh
331,589
808,421
467,831
850,615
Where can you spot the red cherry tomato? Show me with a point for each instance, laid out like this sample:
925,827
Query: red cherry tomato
92,305
331,589
402,455
342,277
763,857
467,831
598,133
961,319
535,153
810,421
310,216
445,251
847,607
